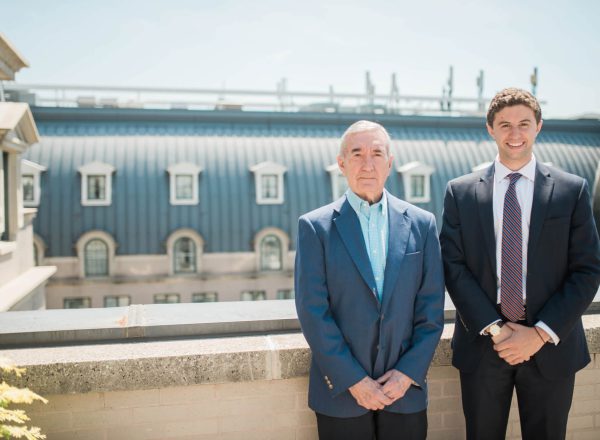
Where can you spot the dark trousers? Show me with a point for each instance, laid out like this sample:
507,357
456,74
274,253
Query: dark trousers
487,393
379,425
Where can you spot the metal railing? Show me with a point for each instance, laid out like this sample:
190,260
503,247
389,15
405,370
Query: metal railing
280,99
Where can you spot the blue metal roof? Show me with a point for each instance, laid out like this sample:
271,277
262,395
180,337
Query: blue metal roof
141,144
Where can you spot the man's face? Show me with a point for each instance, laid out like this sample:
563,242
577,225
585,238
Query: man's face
366,164
514,131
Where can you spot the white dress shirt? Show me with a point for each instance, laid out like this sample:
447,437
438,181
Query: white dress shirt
524,190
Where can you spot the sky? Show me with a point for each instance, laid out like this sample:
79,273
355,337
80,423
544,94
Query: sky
314,44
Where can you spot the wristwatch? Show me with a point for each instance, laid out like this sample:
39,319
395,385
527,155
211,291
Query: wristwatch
495,328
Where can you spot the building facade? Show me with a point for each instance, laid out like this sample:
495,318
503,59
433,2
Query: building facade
21,283
155,206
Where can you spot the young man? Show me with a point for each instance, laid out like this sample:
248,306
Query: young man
369,295
522,263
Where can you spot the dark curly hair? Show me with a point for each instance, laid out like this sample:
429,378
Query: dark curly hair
513,96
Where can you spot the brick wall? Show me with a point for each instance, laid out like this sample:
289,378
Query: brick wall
264,409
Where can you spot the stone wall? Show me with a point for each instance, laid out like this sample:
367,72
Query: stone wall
251,387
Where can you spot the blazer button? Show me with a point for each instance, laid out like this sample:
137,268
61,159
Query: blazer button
330,386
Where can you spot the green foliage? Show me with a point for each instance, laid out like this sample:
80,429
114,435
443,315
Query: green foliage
12,421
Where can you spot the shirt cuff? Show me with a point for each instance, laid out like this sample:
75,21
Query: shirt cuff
553,336
482,332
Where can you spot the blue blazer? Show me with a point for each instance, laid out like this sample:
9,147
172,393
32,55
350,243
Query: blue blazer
351,334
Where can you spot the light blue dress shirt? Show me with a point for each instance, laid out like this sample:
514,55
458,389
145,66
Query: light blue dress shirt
374,226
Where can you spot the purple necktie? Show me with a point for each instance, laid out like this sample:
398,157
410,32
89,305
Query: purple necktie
511,288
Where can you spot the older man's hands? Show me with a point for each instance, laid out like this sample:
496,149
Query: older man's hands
369,394
377,394
395,384
523,343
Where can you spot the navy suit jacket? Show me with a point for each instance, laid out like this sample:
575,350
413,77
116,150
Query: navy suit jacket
563,265
351,334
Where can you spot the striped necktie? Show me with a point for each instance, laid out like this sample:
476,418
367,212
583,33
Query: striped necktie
511,288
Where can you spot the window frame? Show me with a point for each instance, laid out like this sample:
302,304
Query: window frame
167,296
184,169
170,247
284,240
176,257
80,248
267,169
96,169
282,295
254,294
73,298
117,297
416,169
205,294
87,274
264,265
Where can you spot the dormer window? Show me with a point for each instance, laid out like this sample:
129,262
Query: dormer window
416,178
268,178
183,183
96,184
30,179
339,183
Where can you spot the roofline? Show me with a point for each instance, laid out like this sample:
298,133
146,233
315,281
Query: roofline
18,61
257,117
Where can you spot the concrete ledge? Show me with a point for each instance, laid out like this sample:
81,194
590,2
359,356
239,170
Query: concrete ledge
18,288
146,321
154,364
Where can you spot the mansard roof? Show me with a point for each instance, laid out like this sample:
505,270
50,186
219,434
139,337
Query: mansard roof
142,144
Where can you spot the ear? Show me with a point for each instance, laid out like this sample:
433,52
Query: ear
539,127
340,161
490,130
390,162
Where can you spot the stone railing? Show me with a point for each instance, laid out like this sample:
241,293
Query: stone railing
209,371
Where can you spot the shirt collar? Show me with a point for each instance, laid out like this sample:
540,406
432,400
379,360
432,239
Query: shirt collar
357,203
501,171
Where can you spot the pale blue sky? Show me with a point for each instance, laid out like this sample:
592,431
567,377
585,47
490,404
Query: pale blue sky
253,44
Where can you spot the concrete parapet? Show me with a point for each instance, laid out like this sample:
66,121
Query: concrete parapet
232,387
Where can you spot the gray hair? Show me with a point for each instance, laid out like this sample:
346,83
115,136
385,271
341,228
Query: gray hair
360,127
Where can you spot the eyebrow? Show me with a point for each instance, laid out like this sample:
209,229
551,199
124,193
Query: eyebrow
521,121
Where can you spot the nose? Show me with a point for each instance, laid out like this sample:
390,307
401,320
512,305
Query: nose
515,131
368,163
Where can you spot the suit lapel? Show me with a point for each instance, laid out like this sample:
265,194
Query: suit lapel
399,232
348,227
542,192
484,193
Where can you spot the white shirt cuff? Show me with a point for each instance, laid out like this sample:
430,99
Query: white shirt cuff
553,337
482,332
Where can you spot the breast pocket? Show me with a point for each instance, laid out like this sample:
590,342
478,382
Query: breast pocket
412,268
556,222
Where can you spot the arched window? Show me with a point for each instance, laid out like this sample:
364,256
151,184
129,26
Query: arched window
270,253
184,255
96,258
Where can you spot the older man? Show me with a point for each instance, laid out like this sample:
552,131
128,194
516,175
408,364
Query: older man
369,295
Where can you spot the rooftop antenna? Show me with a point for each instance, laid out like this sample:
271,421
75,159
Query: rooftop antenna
450,87
534,81
443,100
480,103
281,92
394,93
370,89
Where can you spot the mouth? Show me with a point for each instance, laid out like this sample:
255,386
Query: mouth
515,145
